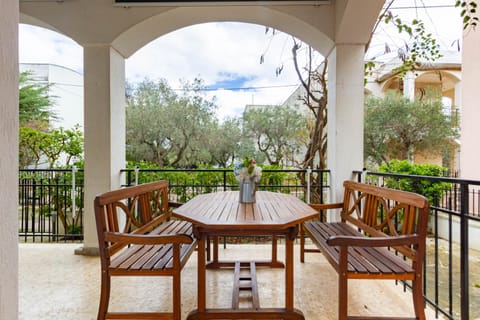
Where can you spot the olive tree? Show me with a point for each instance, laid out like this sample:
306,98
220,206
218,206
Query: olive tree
224,142
168,128
397,128
278,131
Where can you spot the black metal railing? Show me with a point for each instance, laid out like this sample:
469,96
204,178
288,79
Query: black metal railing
187,183
51,201
452,268
50,205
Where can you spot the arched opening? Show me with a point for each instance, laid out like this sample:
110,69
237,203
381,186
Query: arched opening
236,61
142,33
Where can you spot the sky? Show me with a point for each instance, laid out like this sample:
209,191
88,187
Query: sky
227,55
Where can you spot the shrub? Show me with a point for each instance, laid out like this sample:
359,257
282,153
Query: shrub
433,190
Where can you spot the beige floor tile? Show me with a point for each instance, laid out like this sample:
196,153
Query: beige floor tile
56,284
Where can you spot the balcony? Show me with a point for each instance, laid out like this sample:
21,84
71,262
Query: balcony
56,284
452,273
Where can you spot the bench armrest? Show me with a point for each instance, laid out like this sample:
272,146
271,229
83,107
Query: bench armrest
148,239
388,241
326,206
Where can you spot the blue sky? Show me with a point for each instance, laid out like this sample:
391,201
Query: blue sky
231,81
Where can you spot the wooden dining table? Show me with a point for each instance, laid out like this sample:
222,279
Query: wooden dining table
221,213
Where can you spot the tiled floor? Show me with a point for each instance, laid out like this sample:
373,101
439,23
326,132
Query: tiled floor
56,284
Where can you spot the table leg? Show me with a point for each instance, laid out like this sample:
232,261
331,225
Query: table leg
274,249
201,274
215,249
289,273
287,313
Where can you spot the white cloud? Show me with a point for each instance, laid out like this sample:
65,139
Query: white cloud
208,50
39,45
218,51
214,52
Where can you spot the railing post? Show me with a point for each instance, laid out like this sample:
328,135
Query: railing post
309,172
320,187
74,209
464,267
363,175
137,170
224,179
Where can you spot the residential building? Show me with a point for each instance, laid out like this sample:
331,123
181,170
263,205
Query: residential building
65,88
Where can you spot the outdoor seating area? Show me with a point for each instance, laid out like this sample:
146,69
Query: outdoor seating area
56,284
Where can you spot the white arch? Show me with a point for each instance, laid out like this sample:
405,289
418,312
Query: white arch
146,31
27,19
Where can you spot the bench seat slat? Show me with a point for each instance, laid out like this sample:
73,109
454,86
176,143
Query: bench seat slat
391,261
165,260
137,257
150,259
360,259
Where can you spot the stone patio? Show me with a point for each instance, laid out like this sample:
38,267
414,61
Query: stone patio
56,284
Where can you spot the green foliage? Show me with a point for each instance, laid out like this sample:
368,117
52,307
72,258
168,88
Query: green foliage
249,163
167,128
224,142
181,131
421,46
208,179
36,138
396,127
431,189
60,141
144,176
202,181
369,68
33,144
469,13
34,103
278,131
29,146
273,180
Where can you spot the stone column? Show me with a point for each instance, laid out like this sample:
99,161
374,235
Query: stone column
345,114
104,82
409,85
9,159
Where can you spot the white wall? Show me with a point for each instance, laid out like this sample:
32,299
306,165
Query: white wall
470,118
66,88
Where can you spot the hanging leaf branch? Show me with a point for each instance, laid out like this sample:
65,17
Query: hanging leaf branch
422,47
468,13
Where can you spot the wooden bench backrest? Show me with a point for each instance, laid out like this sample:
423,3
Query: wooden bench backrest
136,209
383,212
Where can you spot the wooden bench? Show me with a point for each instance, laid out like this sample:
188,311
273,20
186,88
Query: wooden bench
381,235
137,237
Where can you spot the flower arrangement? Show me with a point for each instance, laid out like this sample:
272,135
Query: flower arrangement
247,170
